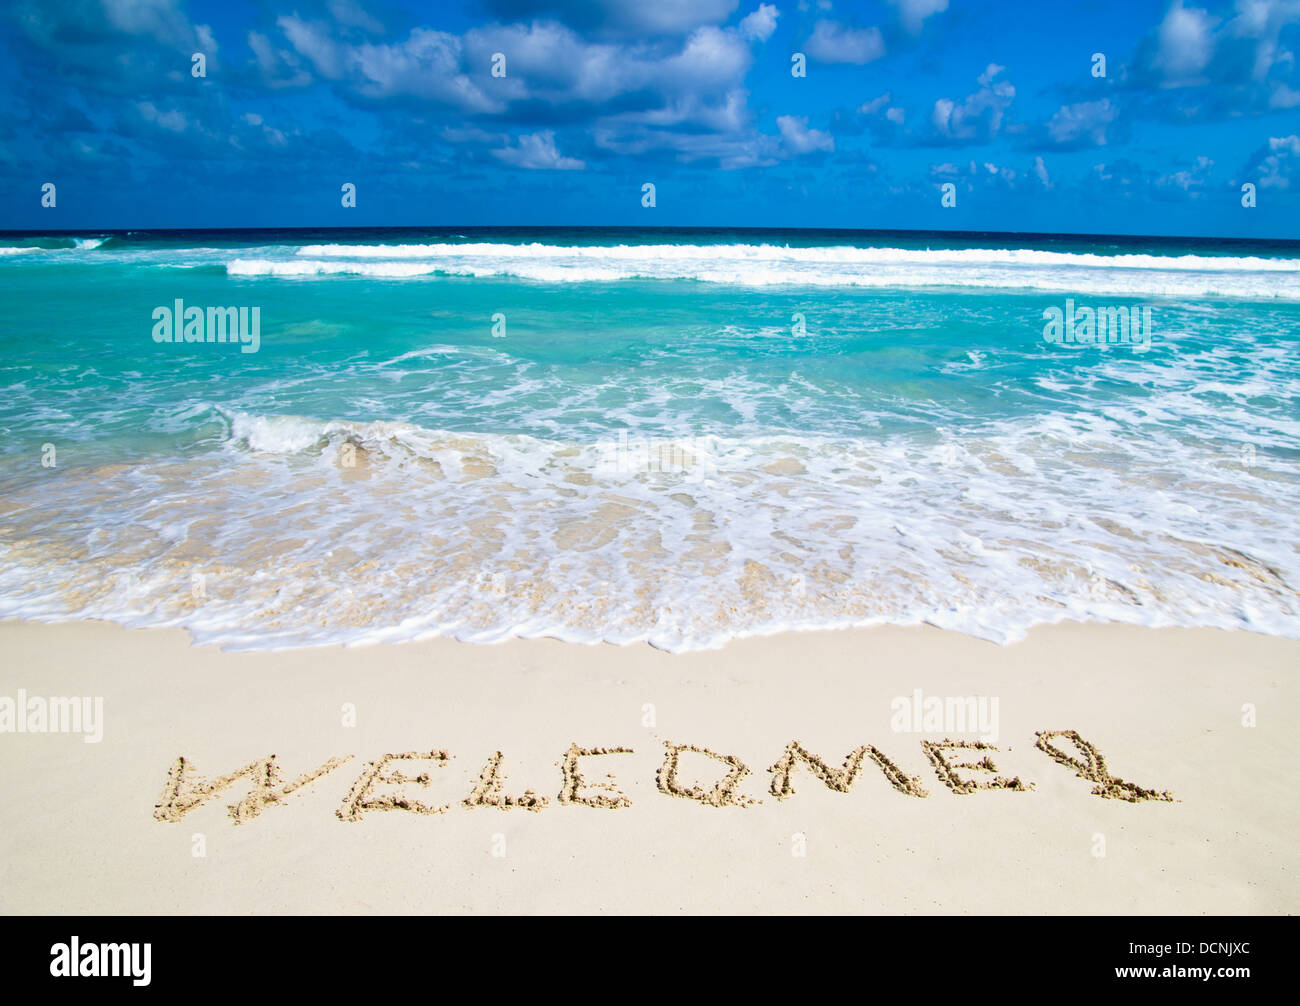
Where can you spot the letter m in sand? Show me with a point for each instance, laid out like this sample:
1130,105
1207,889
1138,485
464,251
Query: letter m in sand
840,780
185,791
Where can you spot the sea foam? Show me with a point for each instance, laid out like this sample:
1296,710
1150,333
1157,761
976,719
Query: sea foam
1133,275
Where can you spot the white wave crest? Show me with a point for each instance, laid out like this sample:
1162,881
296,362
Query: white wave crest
780,254
771,265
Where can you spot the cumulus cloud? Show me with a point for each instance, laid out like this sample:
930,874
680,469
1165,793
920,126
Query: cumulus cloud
1258,25
882,106
1190,181
977,118
426,65
1185,42
273,136
313,41
1284,97
1083,123
760,24
912,13
1209,66
629,90
163,20
113,46
173,121
278,67
800,139
537,152
832,42
546,63
351,14
1127,179
1274,165
1040,172
744,149
620,17
875,105
974,175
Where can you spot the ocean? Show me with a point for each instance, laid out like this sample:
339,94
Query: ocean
672,436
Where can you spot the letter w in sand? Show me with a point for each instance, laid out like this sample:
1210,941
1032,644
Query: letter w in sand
840,780
184,791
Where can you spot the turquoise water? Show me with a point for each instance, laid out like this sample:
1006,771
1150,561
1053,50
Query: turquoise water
677,437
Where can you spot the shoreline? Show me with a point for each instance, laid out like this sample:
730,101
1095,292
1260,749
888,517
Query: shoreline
650,823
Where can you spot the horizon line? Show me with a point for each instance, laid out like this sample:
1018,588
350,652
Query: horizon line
1082,235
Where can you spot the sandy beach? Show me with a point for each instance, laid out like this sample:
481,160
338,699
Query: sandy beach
631,780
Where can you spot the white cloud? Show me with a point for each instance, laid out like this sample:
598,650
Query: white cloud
1263,21
737,150
280,68
537,152
684,94
633,17
1275,168
667,16
426,65
875,104
352,14
696,82
207,41
711,58
173,121
760,24
270,134
800,138
1191,47
728,115
912,13
161,19
1040,170
1187,181
974,174
1184,41
1284,97
979,116
314,42
832,42
1086,119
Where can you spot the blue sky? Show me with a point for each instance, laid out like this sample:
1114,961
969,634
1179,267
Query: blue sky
1000,99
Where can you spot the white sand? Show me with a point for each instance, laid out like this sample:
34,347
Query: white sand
78,831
